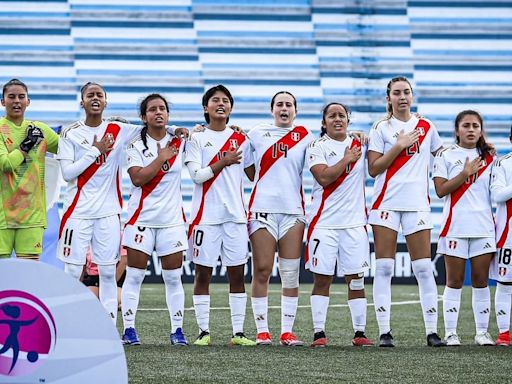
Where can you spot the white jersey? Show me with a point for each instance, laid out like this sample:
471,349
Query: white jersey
501,191
158,203
341,204
467,211
279,155
97,191
219,199
404,185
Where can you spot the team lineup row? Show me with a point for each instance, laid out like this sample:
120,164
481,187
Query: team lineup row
397,155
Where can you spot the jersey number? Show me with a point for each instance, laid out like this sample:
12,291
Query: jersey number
278,149
505,256
471,179
101,159
413,149
317,243
198,237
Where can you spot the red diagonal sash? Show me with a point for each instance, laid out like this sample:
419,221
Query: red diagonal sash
401,160
271,155
112,129
326,193
207,184
153,183
456,195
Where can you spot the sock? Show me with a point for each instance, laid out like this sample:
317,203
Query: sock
358,313
481,301
174,296
237,305
130,295
108,290
319,305
502,303
288,311
202,310
451,308
422,269
260,313
74,270
382,293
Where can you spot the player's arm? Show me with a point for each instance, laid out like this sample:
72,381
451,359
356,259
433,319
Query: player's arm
326,175
250,172
445,186
143,175
52,139
500,191
10,161
380,162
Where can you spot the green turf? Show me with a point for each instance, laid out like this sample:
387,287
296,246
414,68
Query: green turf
156,361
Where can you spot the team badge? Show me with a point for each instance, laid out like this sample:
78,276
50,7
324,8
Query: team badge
452,244
139,238
233,143
384,215
502,271
295,136
66,251
421,131
314,261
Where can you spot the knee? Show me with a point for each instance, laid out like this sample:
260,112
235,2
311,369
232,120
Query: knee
107,272
384,267
422,268
172,278
289,271
479,279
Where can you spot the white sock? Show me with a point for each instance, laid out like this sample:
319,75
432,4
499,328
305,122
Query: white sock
174,296
319,305
382,293
202,310
237,305
260,313
130,295
358,313
73,270
422,269
288,311
481,301
108,290
451,308
502,303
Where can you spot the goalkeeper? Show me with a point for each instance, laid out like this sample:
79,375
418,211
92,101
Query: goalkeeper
23,146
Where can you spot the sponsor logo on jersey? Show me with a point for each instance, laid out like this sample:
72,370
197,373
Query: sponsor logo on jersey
332,154
85,141
208,144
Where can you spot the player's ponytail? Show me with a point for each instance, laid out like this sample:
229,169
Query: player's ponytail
482,146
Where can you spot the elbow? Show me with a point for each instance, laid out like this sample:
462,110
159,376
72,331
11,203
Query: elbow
137,181
372,172
440,193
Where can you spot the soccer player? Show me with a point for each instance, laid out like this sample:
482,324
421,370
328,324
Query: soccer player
90,155
216,159
155,216
23,147
462,174
337,234
398,157
501,192
276,214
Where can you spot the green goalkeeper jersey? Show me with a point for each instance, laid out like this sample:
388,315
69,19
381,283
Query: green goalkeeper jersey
22,181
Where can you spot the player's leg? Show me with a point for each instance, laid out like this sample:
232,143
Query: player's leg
28,243
171,242
6,242
291,234
500,270
263,236
74,241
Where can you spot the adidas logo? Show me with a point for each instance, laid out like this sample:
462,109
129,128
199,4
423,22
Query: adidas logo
208,144
260,318
128,313
381,309
396,135
421,222
365,264
452,310
85,141
458,162
487,245
112,315
485,311
38,245
501,313
178,244
178,314
267,134
289,315
332,154
432,310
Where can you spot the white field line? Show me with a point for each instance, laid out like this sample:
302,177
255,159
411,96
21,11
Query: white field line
406,302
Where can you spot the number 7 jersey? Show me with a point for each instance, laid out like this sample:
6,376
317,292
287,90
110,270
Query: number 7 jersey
279,155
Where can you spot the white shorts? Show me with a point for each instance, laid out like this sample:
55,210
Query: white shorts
348,248
278,224
103,235
164,241
411,221
230,241
501,268
465,248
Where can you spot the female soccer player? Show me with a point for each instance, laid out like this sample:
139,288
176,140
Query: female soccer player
501,192
217,158
23,147
156,221
337,218
398,157
90,155
462,174
276,214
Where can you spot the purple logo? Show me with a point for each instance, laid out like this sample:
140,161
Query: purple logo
27,333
